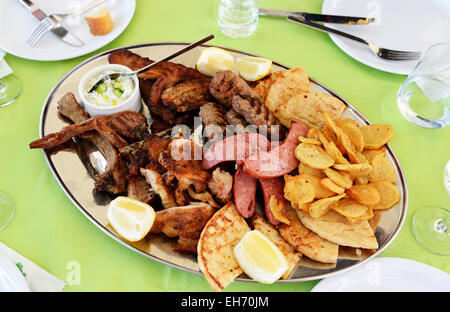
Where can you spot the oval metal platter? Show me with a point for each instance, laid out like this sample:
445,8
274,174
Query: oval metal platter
74,179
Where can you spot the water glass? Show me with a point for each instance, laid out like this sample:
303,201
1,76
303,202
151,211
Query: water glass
238,18
424,98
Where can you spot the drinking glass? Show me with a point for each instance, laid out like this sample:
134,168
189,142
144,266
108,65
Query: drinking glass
6,210
238,18
424,98
10,89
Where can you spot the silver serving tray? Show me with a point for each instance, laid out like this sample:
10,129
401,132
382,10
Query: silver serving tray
75,181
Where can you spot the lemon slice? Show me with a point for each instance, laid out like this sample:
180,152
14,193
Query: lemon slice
132,219
253,68
213,59
259,258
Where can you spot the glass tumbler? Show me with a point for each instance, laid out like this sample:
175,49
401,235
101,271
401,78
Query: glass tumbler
424,98
238,18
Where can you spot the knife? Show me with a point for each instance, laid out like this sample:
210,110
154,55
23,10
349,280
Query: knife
59,31
334,19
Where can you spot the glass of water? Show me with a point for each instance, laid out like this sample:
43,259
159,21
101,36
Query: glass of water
424,98
238,18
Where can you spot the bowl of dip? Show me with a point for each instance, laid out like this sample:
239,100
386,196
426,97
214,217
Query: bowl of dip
111,96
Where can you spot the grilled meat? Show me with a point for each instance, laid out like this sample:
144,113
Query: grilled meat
139,189
129,124
204,197
221,185
233,118
185,222
224,86
262,86
213,121
154,178
113,179
136,155
187,96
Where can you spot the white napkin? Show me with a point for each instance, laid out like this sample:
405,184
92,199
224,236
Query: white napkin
37,278
5,70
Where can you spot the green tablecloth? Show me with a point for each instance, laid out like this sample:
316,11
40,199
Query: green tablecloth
51,232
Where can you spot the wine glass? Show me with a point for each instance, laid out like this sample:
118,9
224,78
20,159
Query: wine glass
424,98
7,210
10,89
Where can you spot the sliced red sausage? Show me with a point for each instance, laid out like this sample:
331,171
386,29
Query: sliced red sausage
234,148
272,187
244,193
280,160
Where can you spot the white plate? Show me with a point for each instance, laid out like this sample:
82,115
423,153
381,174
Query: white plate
388,275
412,25
16,23
11,279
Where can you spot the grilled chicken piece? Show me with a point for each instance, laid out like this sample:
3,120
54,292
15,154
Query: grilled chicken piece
188,95
204,197
156,181
139,189
129,124
182,159
113,179
185,222
213,121
221,185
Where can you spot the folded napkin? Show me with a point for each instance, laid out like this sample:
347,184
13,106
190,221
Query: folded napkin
5,70
37,278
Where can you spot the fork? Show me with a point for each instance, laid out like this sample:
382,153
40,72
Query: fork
388,54
53,21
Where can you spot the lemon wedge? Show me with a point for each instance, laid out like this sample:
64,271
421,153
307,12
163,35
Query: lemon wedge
259,258
213,59
253,68
130,218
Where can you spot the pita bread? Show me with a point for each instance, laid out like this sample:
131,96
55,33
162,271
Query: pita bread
288,84
335,228
309,107
291,255
312,264
262,86
307,242
215,248
350,253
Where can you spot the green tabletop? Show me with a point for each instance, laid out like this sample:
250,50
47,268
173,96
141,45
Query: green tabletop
50,231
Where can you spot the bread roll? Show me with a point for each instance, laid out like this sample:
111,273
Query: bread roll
100,23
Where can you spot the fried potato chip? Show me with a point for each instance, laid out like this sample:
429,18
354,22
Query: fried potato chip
308,107
341,180
361,180
369,214
288,84
330,185
304,169
364,194
332,137
347,144
370,154
350,208
331,149
341,121
360,158
314,156
312,134
304,207
278,210
355,169
382,169
321,206
375,136
353,132
319,189
298,190
389,195
309,140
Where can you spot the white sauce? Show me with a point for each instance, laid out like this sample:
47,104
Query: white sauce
108,97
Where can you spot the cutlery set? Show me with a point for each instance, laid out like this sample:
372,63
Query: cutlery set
53,23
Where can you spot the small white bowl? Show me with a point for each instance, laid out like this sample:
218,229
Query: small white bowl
133,103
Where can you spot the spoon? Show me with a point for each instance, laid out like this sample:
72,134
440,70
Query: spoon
115,75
